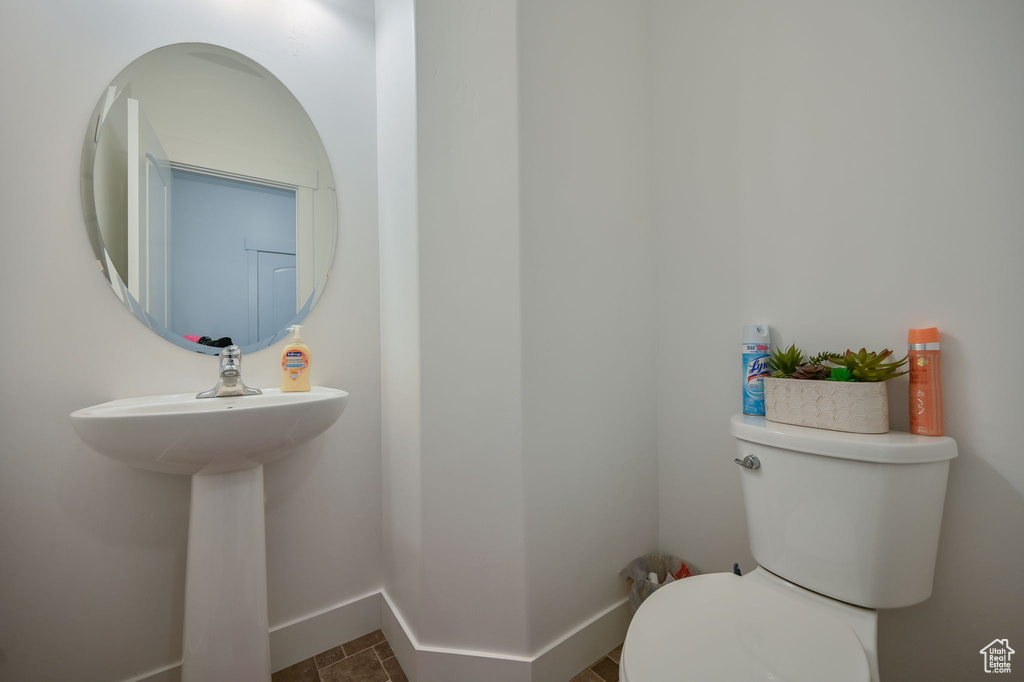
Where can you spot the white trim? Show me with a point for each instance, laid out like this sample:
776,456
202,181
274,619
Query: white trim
134,200
303,637
269,244
564,658
300,638
238,162
169,673
228,175
557,662
397,633
306,245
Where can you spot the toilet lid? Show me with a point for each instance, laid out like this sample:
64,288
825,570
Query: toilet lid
722,627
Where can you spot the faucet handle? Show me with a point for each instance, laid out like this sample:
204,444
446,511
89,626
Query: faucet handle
231,356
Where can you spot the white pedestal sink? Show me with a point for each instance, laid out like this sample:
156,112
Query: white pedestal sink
222,443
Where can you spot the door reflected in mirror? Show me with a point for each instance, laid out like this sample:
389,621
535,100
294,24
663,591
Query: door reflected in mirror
209,198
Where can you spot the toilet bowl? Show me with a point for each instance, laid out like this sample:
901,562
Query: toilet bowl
840,524
720,626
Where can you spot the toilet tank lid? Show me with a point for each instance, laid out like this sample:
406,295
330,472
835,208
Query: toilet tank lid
895,447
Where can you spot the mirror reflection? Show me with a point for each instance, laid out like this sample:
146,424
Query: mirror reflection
209,198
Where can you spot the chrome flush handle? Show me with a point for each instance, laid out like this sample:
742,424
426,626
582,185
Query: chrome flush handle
749,462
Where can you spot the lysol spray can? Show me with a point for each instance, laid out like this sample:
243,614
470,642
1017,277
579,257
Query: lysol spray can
757,348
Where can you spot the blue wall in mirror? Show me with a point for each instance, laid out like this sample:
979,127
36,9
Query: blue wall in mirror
218,226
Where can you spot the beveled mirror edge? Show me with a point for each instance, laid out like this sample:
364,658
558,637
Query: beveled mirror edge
87,189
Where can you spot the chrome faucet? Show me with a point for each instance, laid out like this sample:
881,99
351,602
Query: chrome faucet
230,381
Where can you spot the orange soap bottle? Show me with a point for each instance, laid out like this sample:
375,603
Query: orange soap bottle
295,362
925,382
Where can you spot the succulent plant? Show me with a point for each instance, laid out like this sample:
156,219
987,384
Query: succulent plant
863,365
821,358
869,366
811,371
783,363
840,374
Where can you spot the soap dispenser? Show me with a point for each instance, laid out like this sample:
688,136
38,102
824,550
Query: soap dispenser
295,362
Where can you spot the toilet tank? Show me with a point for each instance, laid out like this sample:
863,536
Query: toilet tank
855,517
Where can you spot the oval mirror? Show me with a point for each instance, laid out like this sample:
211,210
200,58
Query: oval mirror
209,198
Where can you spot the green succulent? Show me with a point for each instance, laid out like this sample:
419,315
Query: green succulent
821,358
841,374
869,366
782,363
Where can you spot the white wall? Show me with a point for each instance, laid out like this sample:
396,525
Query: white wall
473,578
92,569
453,519
844,172
589,437
515,307
518,327
399,302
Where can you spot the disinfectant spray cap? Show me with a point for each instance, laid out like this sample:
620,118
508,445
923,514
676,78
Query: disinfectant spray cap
755,333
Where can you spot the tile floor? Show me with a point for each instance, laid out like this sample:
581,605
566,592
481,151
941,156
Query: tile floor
365,659
605,670
370,659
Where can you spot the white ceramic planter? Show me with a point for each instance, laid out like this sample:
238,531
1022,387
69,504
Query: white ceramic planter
855,407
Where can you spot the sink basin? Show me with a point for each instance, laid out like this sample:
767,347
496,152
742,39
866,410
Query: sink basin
223,444
180,434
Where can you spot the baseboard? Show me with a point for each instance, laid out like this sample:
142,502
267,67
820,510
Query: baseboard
583,645
304,637
310,635
561,660
170,673
397,634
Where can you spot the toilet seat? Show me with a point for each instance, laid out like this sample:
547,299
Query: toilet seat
722,627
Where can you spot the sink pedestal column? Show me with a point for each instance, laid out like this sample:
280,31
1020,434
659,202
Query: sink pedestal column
226,631
230,439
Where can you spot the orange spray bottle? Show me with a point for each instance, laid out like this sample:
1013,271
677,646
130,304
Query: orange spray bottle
925,382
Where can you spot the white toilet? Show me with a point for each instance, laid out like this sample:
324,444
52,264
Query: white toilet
840,524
